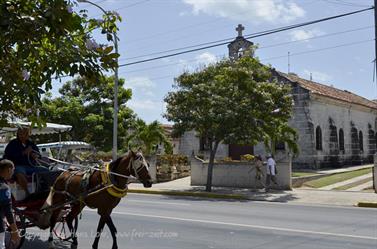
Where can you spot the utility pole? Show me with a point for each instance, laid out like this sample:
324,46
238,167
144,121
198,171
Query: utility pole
375,36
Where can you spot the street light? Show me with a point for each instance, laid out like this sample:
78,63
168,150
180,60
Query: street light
115,124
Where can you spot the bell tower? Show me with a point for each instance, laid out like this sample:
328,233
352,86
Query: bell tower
240,46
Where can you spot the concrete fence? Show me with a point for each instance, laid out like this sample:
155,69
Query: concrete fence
239,174
152,160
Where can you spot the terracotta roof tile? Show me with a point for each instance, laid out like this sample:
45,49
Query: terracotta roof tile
329,91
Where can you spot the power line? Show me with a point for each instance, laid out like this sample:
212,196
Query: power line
197,24
254,35
344,3
124,7
321,49
264,47
282,56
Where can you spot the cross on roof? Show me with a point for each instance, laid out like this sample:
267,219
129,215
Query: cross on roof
239,29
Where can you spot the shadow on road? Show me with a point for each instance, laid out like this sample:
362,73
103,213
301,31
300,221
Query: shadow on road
251,195
36,242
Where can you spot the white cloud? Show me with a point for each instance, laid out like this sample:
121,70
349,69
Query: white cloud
274,11
317,76
141,84
305,34
184,65
205,58
142,105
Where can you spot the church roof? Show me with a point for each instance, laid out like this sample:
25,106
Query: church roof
329,91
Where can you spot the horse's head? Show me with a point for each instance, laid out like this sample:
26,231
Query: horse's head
139,168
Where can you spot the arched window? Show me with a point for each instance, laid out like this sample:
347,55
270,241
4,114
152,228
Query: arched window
318,138
279,145
355,145
334,146
371,144
361,146
341,140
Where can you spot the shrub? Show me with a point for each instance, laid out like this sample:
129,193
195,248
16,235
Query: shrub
247,157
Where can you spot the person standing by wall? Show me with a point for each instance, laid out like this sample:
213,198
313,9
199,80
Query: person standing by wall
270,172
258,171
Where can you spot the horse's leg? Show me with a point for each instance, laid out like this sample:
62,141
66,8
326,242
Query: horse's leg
101,224
113,231
52,225
70,218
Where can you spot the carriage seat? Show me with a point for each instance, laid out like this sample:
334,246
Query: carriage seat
17,192
37,183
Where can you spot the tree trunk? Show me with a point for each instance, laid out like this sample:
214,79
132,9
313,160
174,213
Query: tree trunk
210,167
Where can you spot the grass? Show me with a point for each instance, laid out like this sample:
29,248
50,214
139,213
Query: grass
354,184
367,204
300,174
328,180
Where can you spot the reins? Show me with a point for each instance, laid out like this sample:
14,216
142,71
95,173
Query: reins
97,168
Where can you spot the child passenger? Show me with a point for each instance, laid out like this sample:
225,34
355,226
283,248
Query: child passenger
6,172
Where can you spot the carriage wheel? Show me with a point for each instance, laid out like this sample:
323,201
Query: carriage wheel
62,231
21,226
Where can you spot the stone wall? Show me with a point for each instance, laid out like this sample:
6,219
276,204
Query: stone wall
239,174
163,169
190,145
323,112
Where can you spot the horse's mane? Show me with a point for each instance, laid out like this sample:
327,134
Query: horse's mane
117,161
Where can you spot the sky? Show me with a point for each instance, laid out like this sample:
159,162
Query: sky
337,53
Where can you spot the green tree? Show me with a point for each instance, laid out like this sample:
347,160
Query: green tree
231,102
148,136
45,39
89,109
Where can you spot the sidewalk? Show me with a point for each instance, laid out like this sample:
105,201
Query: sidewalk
310,196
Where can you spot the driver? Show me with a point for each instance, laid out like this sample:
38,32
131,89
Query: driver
23,153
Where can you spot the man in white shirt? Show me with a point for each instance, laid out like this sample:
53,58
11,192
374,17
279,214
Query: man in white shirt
270,171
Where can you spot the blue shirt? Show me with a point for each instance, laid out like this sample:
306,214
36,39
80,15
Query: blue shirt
5,204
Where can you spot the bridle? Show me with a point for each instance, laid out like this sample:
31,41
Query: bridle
137,164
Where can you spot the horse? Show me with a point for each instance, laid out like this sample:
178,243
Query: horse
103,191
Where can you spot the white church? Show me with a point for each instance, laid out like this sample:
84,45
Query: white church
335,127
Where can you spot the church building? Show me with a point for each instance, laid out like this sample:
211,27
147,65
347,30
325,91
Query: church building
335,127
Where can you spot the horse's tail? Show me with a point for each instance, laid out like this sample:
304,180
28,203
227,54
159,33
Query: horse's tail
47,210
43,219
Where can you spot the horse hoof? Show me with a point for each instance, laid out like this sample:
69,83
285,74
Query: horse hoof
51,245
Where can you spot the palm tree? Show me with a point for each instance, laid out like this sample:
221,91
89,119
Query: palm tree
148,136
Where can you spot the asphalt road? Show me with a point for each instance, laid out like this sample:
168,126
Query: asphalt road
163,222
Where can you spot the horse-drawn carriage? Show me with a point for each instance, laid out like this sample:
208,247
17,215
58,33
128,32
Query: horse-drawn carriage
59,195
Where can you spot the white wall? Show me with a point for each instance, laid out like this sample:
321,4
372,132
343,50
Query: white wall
342,115
190,145
238,175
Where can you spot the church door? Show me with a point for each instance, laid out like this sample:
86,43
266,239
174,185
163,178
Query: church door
235,151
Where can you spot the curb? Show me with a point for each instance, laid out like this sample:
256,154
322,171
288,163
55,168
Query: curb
366,204
187,193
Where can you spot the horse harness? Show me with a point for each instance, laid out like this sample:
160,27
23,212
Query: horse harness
107,182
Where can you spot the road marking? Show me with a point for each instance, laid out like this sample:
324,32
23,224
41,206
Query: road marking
160,202
245,225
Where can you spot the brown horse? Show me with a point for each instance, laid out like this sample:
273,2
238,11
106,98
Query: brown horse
103,190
